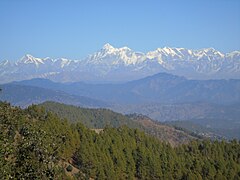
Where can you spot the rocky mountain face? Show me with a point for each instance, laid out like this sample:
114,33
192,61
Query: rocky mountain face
123,64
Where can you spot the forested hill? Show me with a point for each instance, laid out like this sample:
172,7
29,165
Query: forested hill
100,118
90,117
35,144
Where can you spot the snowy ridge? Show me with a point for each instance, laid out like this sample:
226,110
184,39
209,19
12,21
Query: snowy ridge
29,59
110,55
124,64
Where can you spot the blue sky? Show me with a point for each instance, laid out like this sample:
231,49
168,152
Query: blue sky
76,28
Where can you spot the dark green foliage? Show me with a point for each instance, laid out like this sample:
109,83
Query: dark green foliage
92,118
33,142
100,118
69,168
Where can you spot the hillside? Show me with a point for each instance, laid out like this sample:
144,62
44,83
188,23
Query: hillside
222,120
36,144
164,132
200,130
100,118
91,118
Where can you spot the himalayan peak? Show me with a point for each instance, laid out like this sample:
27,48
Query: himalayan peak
124,64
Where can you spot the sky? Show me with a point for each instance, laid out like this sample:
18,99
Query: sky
76,28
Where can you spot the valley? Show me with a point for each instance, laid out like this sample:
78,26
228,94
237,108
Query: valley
213,104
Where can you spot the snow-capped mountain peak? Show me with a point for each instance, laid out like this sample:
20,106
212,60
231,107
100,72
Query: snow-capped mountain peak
121,64
169,51
63,62
110,55
29,59
125,48
4,63
166,52
234,55
212,51
209,53
107,47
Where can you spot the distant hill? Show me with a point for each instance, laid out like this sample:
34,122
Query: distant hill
159,88
100,118
162,97
222,120
22,95
198,129
185,111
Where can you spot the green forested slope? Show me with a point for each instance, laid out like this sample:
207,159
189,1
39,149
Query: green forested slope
33,142
92,118
100,118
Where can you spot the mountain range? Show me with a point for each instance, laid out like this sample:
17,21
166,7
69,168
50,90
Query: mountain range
164,97
111,64
21,95
160,88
